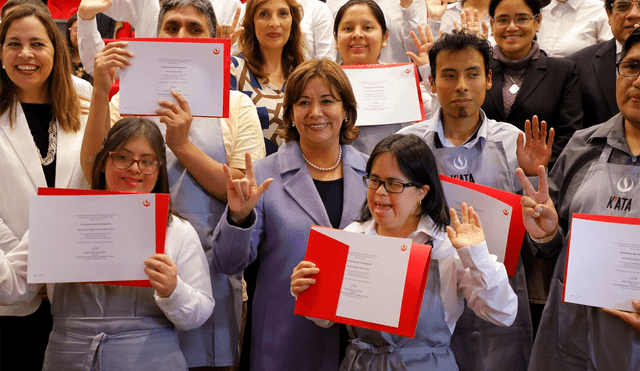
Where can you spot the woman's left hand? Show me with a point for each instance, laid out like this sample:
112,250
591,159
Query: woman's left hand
537,149
230,31
163,274
177,117
465,233
473,23
423,44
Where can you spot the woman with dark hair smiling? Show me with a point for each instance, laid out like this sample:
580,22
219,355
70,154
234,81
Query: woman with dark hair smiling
405,199
272,46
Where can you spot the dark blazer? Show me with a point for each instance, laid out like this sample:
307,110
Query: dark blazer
597,71
550,89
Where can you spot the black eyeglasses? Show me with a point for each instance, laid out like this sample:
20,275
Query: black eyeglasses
146,165
392,186
519,20
628,69
624,7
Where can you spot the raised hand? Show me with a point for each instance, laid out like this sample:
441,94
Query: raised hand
435,9
89,8
163,274
631,318
537,149
538,212
112,56
465,233
471,21
423,44
177,117
243,194
230,31
300,280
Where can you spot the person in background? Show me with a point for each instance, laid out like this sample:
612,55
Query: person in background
198,148
584,180
405,199
316,179
42,121
99,327
469,146
597,63
571,25
361,34
271,47
72,42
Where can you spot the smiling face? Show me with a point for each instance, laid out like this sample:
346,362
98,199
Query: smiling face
318,115
360,37
131,179
514,41
184,21
272,22
396,214
460,83
27,57
628,91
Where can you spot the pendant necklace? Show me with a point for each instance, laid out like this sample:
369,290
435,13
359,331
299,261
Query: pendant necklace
53,144
514,88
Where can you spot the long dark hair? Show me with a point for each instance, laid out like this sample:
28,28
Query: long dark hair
117,137
417,163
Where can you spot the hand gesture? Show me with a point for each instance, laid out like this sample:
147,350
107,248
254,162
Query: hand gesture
632,318
538,213
423,44
230,31
163,274
89,8
472,23
177,117
243,194
435,9
537,149
465,233
299,279
112,56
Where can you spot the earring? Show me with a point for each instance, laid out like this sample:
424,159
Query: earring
293,124
345,120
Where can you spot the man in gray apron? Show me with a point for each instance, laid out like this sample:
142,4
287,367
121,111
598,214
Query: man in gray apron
198,148
598,165
469,146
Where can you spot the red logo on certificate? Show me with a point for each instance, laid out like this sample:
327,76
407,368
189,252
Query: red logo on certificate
505,212
403,248
146,203
408,70
216,51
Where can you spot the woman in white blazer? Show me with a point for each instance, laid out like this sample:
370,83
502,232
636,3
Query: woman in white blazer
41,128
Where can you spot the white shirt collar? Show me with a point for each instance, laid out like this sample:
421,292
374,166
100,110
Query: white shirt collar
480,133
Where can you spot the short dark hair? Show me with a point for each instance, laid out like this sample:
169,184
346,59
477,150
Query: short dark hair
534,6
373,6
608,5
632,40
417,163
13,3
203,6
461,40
328,71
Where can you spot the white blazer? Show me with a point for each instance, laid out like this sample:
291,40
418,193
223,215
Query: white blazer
20,176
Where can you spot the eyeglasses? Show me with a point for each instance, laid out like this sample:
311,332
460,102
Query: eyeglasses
392,186
73,29
628,69
519,20
123,162
623,7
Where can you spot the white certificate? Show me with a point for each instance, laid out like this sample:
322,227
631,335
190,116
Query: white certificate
375,273
90,238
386,93
603,262
196,68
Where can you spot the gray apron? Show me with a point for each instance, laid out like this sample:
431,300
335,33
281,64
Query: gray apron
104,328
215,343
428,350
476,343
578,337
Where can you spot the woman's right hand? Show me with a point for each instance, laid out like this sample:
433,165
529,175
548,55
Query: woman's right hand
471,21
89,8
538,212
243,194
299,280
435,9
112,56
